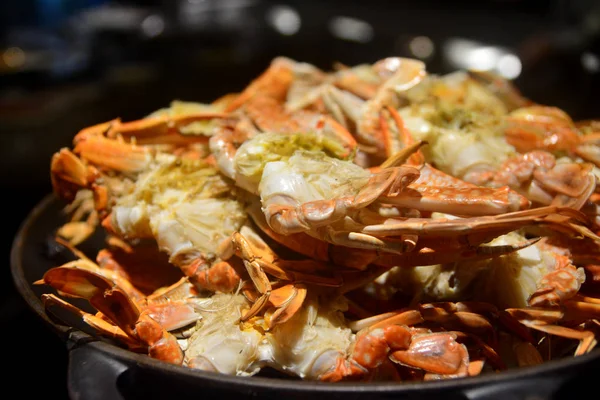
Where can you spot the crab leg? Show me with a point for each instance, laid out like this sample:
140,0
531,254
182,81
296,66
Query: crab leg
163,129
435,190
403,337
113,302
260,260
97,323
404,136
452,358
427,256
340,96
540,127
361,259
402,75
299,242
390,335
274,82
467,226
551,129
131,264
541,179
69,175
114,155
547,320
561,283
200,269
457,200
173,307
100,129
589,149
287,219
287,298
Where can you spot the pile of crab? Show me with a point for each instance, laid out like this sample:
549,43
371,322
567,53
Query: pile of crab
371,223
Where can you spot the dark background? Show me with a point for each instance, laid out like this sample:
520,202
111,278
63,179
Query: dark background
65,65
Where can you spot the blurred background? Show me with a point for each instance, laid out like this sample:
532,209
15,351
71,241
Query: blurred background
67,64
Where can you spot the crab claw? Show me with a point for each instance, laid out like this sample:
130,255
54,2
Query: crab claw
69,174
116,305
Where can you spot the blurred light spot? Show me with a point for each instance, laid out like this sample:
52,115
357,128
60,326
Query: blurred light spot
482,58
421,47
284,19
153,25
469,54
456,50
509,66
351,29
13,57
590,62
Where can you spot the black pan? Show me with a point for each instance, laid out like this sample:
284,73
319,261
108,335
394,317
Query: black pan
100,369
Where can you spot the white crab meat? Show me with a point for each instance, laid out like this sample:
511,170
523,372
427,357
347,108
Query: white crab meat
306,346
507,281
220,344
183,206
254,154
456,151
311,341
308,176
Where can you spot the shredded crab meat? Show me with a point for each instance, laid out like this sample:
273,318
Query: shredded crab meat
308,176
176,203
303,347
